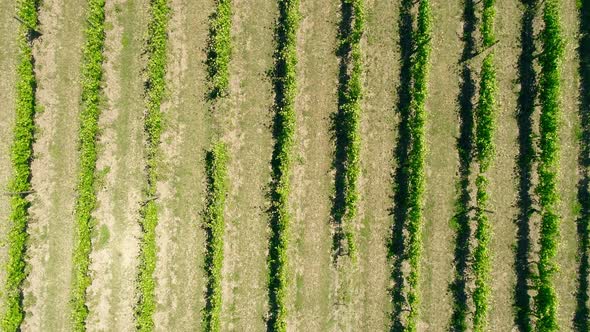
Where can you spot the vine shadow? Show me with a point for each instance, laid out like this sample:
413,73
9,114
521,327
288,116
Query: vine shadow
581,318
462,217
339,129
524,167
277,243
396,245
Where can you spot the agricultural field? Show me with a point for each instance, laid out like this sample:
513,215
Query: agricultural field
295,165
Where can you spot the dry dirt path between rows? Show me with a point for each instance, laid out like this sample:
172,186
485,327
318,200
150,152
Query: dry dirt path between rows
379,123
441,165
57,54
111,296
566,279
247,132
179,236
502,175
309,251
8,58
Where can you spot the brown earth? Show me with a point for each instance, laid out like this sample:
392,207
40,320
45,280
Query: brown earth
180,238
112,295
247,132
57,55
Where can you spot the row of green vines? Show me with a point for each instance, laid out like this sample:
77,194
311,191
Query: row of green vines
346,126
416,157
285,86
155,88
21,156
484,136
92,58
218,58
547,168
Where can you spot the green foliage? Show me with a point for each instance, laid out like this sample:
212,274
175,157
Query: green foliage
21,156
347,134
549,91
481,256
92,59
219,49
487,23
416,157
218,57
284,79
485,114
484,143
215,163
155,88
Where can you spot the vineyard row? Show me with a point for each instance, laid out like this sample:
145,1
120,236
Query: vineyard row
156,49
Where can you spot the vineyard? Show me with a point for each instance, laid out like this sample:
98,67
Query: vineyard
295,165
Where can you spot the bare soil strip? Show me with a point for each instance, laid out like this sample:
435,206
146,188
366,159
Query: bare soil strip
247,133
441,165
309,301
119,167
565,280
8,56
57,54
379,122
179,236
503,185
